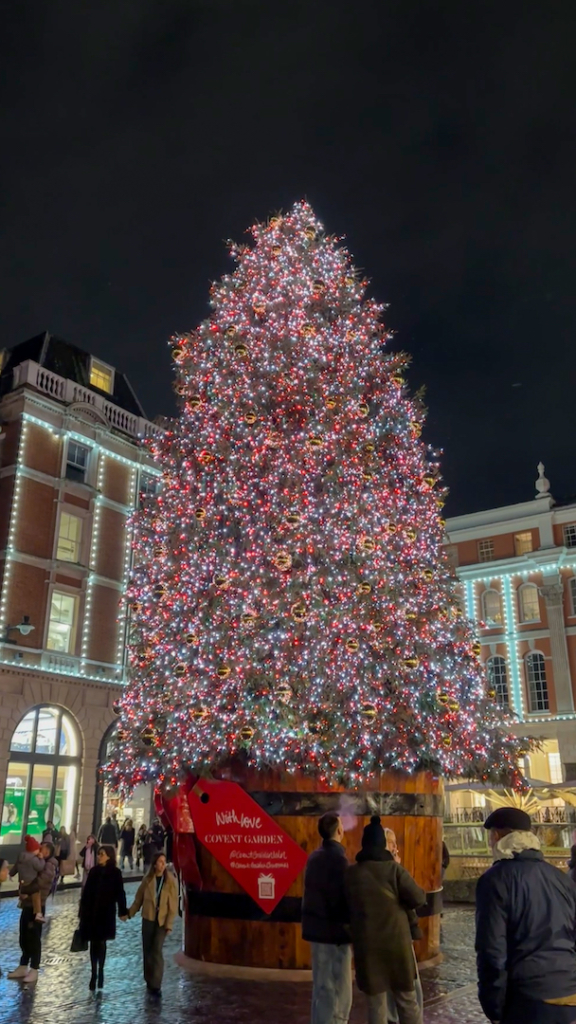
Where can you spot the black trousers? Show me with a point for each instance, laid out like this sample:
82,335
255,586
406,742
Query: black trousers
152,941
520,1010
30,938
97,955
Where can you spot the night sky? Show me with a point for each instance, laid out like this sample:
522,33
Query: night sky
439,137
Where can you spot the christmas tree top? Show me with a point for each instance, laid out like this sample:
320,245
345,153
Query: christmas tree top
291,600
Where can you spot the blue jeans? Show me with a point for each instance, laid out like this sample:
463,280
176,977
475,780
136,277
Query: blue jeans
331,983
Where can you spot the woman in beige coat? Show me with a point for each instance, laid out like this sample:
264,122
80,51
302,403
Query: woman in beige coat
158,897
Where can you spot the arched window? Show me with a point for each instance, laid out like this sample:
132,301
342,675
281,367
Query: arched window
492,608
536,682
498,679
528,603
43,775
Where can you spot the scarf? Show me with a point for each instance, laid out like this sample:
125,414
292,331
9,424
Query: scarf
515,842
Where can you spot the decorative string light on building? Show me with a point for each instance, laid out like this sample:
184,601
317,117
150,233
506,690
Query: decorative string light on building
291,600
10,547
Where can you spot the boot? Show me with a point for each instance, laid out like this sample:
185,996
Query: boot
92,985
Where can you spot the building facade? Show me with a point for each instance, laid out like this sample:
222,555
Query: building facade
517,567
72,470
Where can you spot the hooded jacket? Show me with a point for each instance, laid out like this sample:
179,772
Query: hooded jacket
525,930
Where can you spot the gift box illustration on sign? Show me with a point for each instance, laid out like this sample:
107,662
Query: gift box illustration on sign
266,887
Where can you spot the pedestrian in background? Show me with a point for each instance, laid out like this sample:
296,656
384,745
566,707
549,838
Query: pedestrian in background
140,840
127,837
157,834
30,929
415,932
102,893
525,921
324,918
50,834
107,833
88,857
157,895
380,892
63,855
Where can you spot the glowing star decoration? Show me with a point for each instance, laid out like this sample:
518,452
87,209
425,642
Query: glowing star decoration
291,602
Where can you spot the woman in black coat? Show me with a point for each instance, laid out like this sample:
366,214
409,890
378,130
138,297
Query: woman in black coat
103,890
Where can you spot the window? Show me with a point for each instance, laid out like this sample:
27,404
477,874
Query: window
523,543
486,550
555,767
570,535
148,485
452,555
43,774
529,603
69,535
536,680
492,608
102,377
77,461
573,595
62,623
498,679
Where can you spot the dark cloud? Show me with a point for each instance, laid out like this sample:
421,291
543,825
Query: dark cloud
439,137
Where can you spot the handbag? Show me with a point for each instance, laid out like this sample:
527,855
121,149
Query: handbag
78,944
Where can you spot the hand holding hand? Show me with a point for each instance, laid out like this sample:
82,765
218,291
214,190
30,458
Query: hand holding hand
125,918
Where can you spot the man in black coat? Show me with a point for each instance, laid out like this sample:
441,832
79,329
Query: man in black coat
324,917
525,929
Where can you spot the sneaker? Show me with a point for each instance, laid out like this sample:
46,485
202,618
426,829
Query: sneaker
18,972
40,917
32,975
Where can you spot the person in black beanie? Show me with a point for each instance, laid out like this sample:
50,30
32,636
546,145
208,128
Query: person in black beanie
380,895
525,929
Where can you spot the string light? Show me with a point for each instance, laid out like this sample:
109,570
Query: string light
291,600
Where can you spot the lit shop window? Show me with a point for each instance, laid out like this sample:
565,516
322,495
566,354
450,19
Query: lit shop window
62,622
523,543
492,607
486,550
102,376
42,777
69,536
529,604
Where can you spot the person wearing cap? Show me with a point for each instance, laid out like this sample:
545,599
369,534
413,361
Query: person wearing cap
381,894
29,865
525,929
324,917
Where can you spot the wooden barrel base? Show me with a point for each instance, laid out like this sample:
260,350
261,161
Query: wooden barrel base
224,926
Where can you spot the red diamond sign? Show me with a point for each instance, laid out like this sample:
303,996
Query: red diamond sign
246,841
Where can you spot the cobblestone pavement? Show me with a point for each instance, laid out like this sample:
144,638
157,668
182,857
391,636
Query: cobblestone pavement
62,994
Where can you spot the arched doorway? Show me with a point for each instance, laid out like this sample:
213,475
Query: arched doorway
43,776
139,806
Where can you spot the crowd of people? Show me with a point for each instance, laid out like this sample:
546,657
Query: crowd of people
41,865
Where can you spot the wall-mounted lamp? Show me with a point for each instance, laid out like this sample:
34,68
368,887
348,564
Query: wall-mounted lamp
24,628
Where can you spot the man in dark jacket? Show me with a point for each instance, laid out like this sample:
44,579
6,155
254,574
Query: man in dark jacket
30,928
108,834
525,929
324,916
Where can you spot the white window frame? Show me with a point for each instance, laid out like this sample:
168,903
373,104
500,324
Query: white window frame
555,768
487,619
75,595
572,588
569,534
89,454
97,364
498,681
518,542
67,511
141,494
486,547
522,590
529,657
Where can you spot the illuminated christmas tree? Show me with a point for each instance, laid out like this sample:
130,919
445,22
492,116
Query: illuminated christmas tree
291,600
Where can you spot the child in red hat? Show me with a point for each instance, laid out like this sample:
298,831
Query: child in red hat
28,866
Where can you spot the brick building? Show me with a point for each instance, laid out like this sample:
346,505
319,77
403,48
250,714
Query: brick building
72,468
517,567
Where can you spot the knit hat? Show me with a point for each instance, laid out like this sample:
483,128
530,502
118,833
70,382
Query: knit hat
509,817
373,837
31,845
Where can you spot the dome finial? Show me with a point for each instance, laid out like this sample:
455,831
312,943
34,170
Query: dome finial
542,484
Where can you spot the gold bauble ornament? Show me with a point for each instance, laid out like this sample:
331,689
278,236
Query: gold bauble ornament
410,615
392,528
368,475
181,669
177,353
369,447
159,590
200,513
180,389
293,518
477,648
298,611
221,581
283,692
195,402
283,561
250,417
447,741
411,662
367,544
205,457
363,409
241,350
428,574
192,639
117,707
364,588
416,428
231,331
159,551
136,607
223,671
275,222
199,714
411,533
147,736
442,523
330,403
349,280
453,705
368,712
443,698
246,733
310,232
318,287
308,330
352,645
248,618
121,735
276,250
440,502
491,693
260,309
315,441
430,480
398,380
